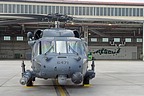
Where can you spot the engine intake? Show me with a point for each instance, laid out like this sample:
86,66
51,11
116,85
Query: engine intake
38,34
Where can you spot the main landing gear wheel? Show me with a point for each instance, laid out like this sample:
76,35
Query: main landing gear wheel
29,83
86,81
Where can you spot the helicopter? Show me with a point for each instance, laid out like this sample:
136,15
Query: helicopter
57,53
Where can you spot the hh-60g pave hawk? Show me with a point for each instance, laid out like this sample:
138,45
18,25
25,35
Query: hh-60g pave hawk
57,53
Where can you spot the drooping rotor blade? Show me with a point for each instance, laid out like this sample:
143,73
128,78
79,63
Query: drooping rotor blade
106,19
30,16
7,19
9,22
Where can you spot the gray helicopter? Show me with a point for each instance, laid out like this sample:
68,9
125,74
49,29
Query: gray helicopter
57,53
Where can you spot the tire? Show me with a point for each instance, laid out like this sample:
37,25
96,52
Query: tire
86,81
29,83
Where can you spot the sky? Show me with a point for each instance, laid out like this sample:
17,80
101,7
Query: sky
115,0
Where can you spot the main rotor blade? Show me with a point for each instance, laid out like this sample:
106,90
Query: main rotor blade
9,22
105,19
24,15
25,18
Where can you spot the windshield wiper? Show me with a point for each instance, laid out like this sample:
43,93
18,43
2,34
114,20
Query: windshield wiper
73,51
49,49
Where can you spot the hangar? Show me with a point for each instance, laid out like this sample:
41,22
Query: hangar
112,30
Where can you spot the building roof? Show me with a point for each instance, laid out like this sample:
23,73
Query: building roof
81,2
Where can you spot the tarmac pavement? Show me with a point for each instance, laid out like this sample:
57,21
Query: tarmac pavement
113,78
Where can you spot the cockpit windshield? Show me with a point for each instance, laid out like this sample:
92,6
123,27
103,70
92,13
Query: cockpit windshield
61,47
70,47
75,47
47,46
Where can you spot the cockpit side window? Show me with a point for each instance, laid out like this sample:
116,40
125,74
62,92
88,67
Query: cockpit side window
36,50
42,47
75,47
85,50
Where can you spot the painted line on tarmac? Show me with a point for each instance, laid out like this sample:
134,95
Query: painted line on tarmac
60,90
66,92
29,86
87,85
8,80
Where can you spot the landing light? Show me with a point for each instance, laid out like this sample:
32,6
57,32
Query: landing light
109,24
